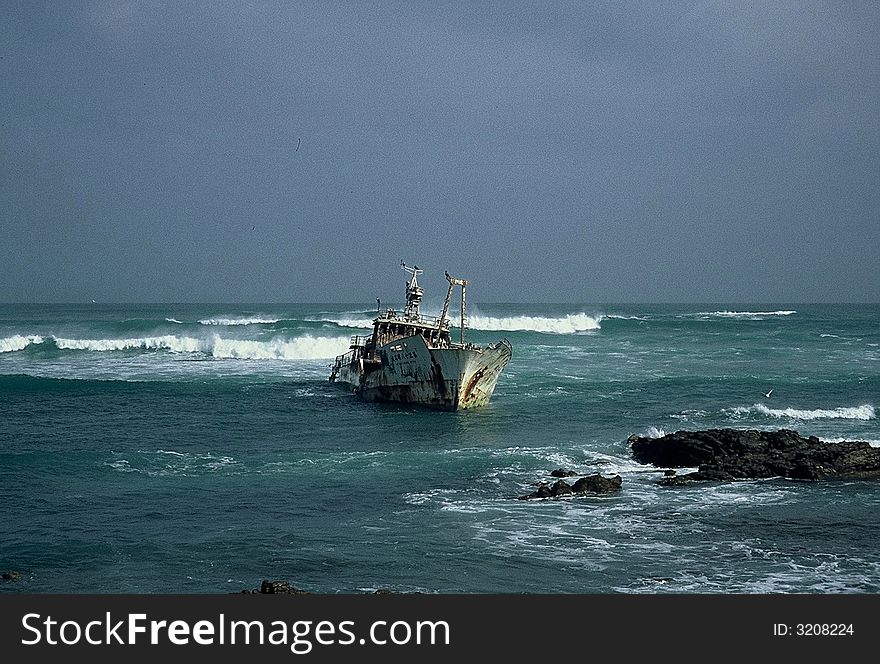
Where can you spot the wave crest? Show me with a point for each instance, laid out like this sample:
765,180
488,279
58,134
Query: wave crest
166,342
349,322
863,412
18,342
238,321
746,315
568,324
300,348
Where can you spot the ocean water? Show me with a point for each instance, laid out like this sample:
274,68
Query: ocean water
200,448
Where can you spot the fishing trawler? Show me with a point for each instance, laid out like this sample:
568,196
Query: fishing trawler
411,358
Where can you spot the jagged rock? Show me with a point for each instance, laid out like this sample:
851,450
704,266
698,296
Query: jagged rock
279,588
560,488
598,485
732,454
11,576
562,472
590,485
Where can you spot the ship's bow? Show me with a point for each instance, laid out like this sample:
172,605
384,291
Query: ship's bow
480,373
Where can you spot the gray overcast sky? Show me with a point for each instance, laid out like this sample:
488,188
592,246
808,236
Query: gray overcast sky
550,151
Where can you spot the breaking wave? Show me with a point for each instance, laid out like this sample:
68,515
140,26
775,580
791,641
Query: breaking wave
238,321
300,348
747,315
873,442
863,412
350,322
568,324
18,342
166,342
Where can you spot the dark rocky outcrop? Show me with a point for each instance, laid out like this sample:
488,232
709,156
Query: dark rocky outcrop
275,588
562,472
11,576
598,485
592,485
560,488
733,454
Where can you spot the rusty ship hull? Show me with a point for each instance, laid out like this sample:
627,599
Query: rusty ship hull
407,371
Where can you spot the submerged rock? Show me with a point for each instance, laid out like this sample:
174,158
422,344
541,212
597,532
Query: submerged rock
594,485
734,454
11,576
562,472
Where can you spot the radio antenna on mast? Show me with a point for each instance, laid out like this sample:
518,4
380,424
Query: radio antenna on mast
413,291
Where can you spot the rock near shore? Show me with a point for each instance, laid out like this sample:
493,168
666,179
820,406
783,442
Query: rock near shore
591,485
733,454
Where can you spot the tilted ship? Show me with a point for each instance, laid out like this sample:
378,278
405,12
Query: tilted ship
410,358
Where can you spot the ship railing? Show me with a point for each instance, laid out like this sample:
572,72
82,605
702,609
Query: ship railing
432,321
358,341
466,346
347,358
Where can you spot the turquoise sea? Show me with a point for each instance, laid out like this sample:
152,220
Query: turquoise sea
200,448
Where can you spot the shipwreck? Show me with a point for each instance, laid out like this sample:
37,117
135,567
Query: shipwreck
411,358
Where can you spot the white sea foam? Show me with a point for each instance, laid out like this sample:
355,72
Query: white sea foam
18,342
568,324
238,321
166,342
863,412
299,348
170,463
174,320
687,415
743,314
873,442
351,322
655,432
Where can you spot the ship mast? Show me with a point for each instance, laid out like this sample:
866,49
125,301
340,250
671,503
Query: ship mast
413,292
453,282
